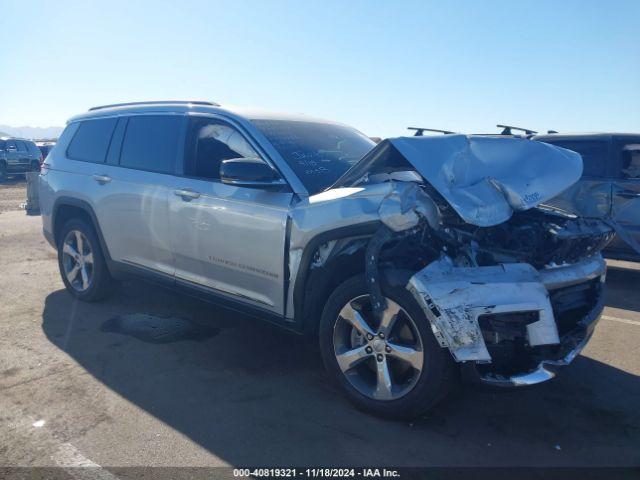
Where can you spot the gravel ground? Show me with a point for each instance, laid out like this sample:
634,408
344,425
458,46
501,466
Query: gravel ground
13,192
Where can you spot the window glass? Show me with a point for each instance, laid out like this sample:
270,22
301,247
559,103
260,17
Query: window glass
33,149
209,142
3,144
11,145
594,156
151,143
113,155
91,140
631,161
318,153
21,146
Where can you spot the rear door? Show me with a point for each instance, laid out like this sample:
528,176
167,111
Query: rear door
591,195
227,238
626,192
135,183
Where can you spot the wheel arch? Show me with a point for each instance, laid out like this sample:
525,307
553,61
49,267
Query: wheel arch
66,208
314,284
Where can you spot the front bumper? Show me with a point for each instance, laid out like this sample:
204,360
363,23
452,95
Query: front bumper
570,347
512,325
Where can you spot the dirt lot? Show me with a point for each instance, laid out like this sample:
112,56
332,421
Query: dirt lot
154,378
12,194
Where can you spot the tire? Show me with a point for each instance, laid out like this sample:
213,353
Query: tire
99,284
425,387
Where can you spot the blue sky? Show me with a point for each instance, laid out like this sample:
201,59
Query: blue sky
378,65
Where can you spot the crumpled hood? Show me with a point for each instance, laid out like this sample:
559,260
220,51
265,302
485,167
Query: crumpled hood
484,179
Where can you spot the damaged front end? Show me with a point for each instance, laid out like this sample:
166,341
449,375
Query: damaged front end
512,288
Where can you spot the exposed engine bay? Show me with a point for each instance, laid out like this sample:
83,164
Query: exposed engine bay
510,286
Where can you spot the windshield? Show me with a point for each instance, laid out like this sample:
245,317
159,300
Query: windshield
318,153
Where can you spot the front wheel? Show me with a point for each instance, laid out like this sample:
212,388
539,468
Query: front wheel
390,366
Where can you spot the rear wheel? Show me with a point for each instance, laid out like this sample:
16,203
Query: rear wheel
391,366
82,264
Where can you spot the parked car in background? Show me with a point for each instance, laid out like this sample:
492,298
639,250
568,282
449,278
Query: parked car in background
609,187
45,148
408,261
18,156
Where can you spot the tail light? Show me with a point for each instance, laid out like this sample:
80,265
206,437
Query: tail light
44,168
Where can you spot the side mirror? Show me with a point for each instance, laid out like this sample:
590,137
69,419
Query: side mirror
249,172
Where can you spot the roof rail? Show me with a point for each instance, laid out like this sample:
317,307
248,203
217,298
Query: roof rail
420,131
507,130
159,102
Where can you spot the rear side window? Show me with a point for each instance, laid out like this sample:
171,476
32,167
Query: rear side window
594,156
91,141
3,144
21,146
151,143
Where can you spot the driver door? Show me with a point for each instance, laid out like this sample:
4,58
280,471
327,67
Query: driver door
228,239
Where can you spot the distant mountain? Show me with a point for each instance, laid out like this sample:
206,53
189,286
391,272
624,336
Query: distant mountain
31,132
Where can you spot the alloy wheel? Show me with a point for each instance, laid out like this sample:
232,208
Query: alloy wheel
381,358
77,260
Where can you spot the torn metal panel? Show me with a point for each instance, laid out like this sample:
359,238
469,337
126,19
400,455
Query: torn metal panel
570,347
484,179
455,297
349,206
323,253
403,208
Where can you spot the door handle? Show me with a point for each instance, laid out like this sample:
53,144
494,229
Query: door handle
102,179
186,194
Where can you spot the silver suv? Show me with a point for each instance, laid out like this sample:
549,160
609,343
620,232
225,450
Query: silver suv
411,260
